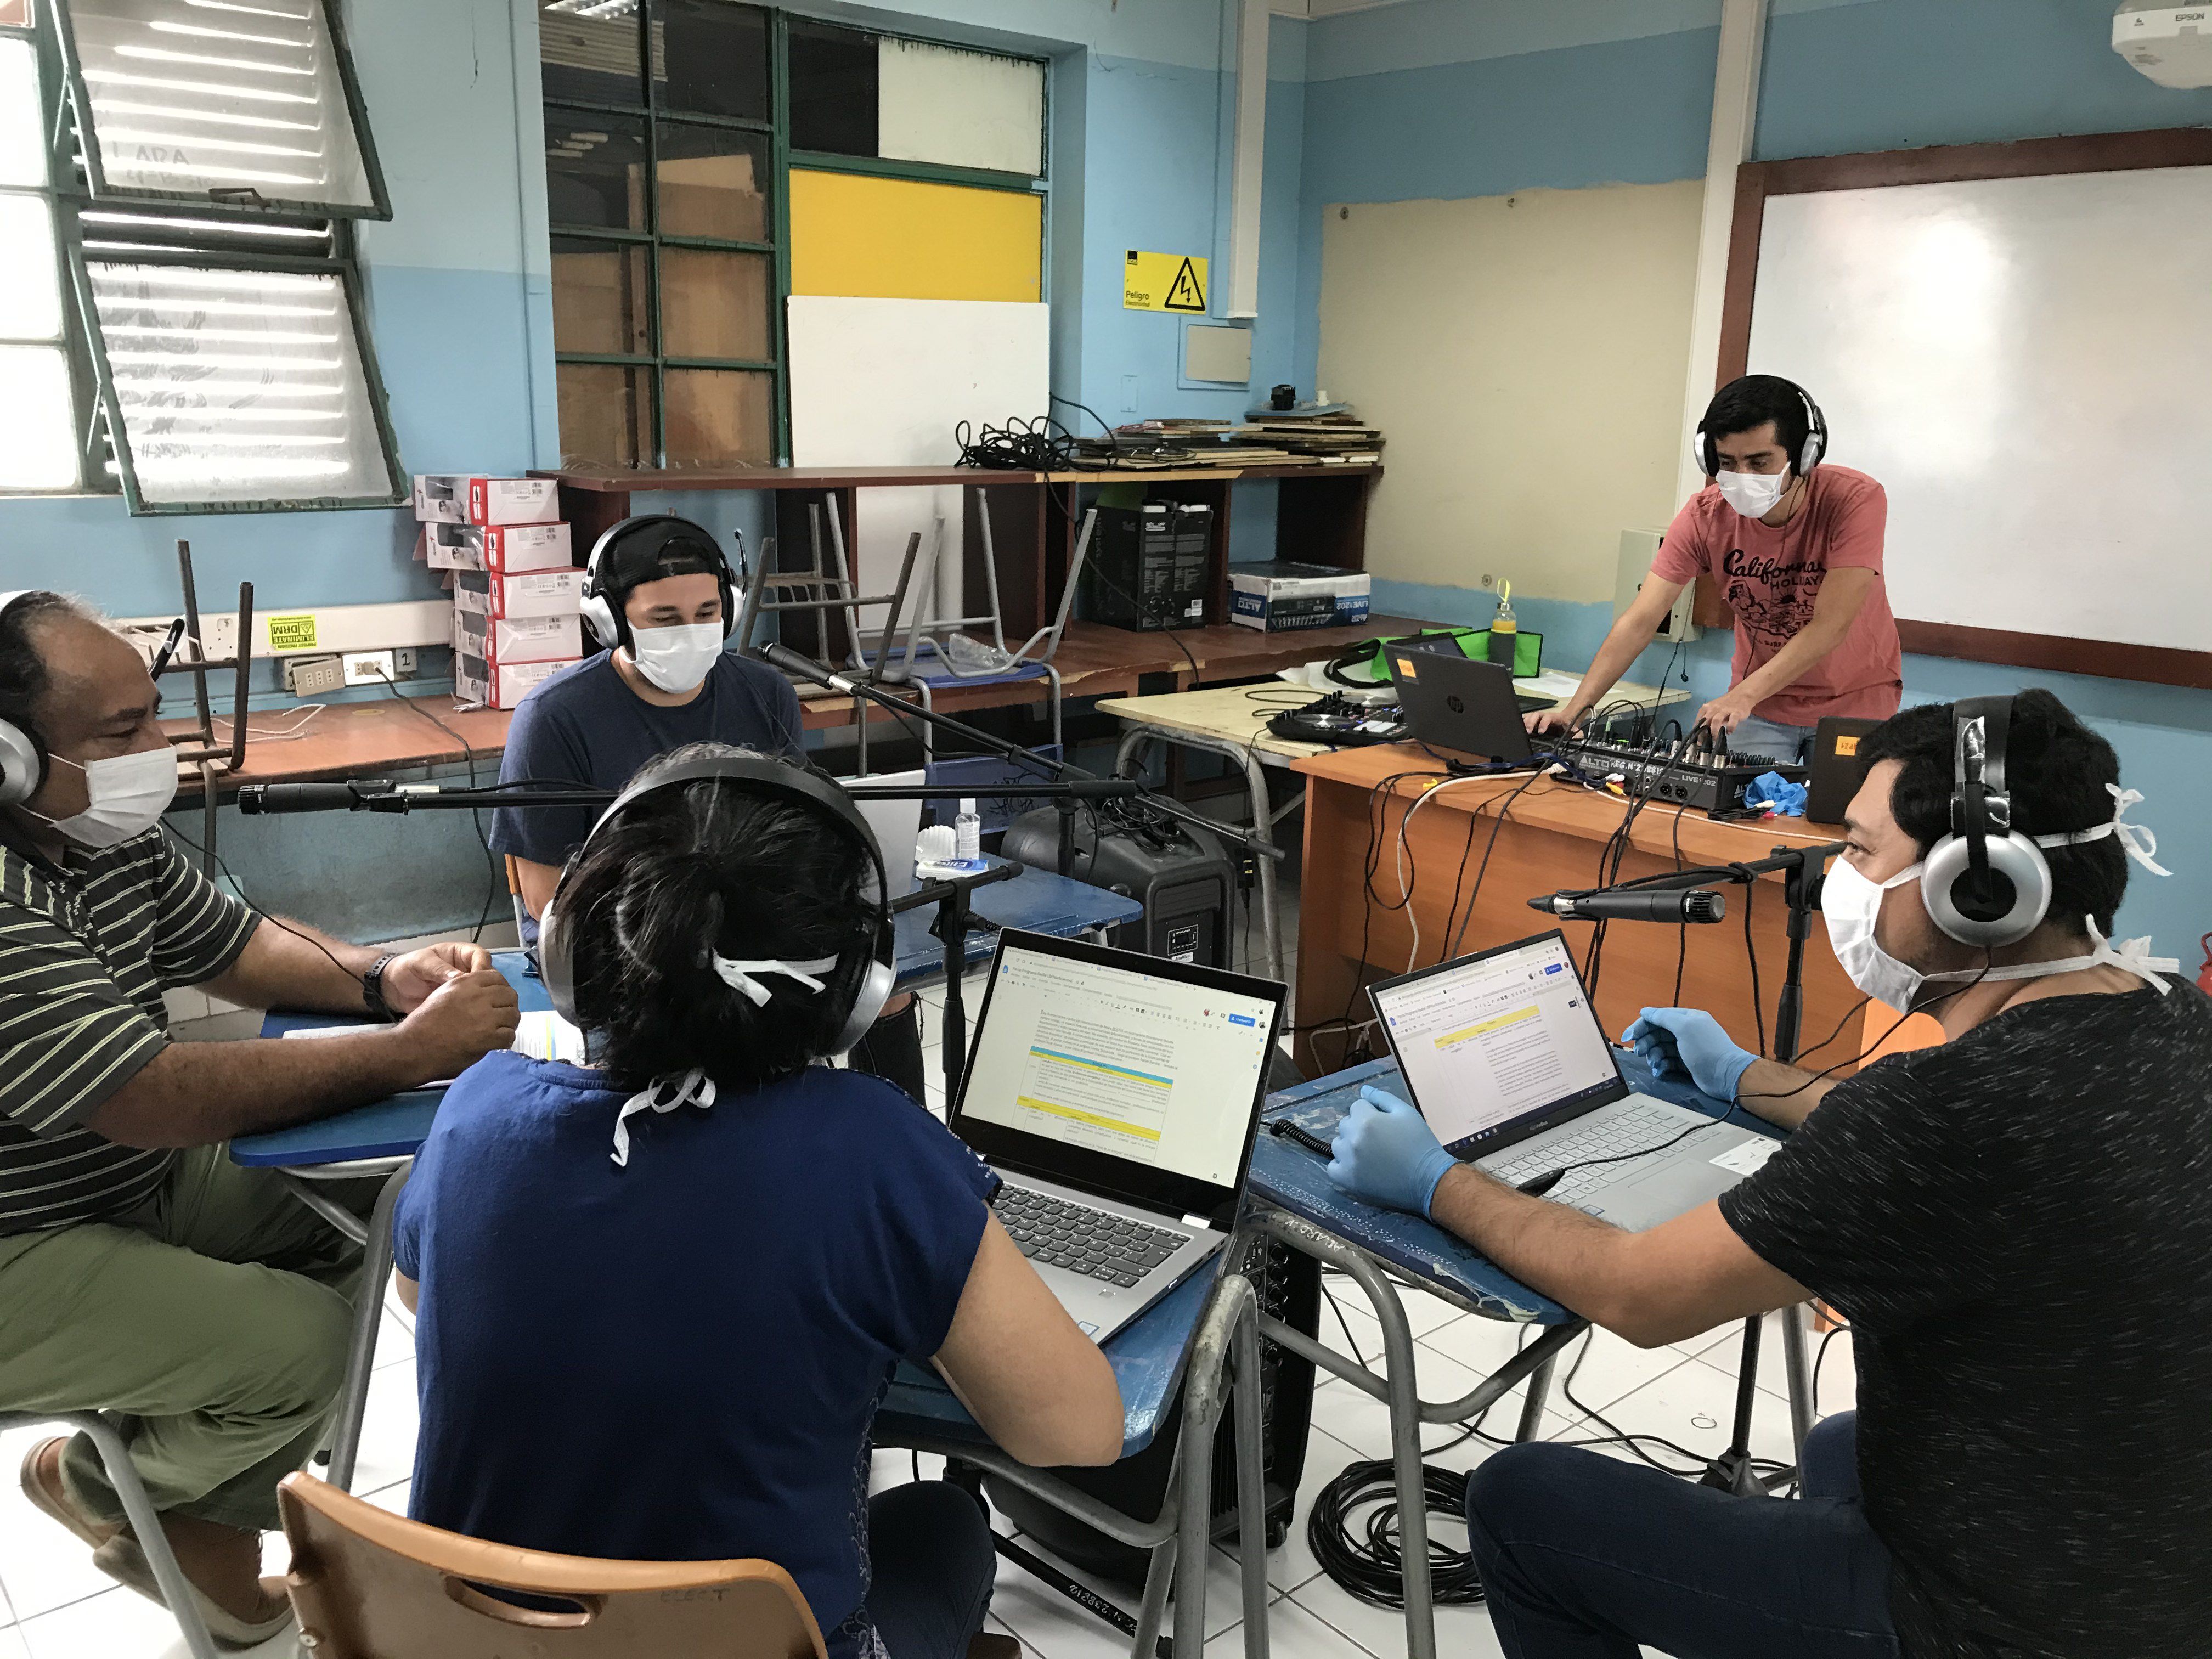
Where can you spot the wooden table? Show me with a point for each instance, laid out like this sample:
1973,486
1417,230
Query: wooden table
1549,840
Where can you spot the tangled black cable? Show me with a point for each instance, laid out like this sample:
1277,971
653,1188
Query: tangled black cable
1043,444
1367,1562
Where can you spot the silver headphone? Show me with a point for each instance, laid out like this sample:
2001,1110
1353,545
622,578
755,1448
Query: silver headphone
602,610
1704,450
1984,884
22,757
557,950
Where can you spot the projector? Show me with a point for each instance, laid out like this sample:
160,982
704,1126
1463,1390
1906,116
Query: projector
2172,45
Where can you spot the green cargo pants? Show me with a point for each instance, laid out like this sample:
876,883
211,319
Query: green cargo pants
211,1320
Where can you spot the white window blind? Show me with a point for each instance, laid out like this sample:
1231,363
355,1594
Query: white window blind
38,441
240,100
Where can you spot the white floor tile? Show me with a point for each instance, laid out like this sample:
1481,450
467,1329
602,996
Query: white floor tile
1362,1422
1611,1368
1461,1633
1692,1406
393,1498
1292,1633
1839,1378
1423,1313
387,1434
1058,1628
42,1566
12,1645
1292,1563
119,1623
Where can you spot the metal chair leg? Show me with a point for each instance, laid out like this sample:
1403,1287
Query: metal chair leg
1801,1381
1532,1405
367,1315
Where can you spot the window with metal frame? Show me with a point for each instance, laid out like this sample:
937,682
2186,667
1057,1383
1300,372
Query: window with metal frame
216,353
672,129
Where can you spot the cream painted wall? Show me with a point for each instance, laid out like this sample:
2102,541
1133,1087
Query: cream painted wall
1524,356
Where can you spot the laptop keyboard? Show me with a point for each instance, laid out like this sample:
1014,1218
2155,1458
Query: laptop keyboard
1632,1126
1096,1243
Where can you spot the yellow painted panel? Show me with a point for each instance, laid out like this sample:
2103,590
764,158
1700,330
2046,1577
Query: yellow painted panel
891,238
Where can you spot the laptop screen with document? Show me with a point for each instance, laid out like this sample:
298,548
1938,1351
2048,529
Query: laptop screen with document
1498,1045
1123,1072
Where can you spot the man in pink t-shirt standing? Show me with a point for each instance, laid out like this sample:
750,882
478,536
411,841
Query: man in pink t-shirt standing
1796,549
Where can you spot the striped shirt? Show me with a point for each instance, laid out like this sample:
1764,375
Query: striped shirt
85,954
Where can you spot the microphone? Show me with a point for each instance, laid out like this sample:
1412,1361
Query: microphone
807,669
1669,904
257,798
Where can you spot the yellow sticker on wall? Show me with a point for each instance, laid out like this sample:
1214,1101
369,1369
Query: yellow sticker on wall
292,633
1164,281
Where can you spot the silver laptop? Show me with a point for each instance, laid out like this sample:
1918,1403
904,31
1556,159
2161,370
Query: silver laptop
897,824
1116,1096
1508,1063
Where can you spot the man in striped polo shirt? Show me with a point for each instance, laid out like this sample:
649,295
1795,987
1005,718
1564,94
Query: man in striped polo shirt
142,1272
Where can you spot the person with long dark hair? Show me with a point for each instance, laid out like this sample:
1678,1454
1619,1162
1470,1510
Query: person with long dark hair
661,1295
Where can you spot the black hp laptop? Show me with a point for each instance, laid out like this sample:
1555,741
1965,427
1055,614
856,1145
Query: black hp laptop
1837,771
1455,703
1116,1096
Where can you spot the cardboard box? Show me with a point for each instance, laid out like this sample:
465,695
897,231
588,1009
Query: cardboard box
503,642
538,593
1281,595
457,498
505,550
475,680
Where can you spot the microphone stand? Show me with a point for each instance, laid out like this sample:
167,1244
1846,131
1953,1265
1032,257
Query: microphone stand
1733,1471
1064,771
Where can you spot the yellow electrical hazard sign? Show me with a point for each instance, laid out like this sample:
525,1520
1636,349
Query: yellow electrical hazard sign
1164,281
292,633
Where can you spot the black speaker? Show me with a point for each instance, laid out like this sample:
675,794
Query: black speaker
1183,877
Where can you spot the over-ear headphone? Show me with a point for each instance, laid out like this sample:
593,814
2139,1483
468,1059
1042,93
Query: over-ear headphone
557,950
1984,883
22,757
603,609
1707,455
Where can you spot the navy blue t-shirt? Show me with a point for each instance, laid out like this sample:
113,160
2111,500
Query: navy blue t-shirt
681,1359
585,726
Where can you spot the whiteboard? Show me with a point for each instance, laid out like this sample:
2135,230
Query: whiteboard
883,382
2025,365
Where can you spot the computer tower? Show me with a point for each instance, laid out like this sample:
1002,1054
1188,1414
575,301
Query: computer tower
1183,877
1148,567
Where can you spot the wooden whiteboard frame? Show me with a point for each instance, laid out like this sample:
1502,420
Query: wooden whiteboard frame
2107,152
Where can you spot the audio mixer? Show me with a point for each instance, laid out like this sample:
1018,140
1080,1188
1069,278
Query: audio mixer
1709,780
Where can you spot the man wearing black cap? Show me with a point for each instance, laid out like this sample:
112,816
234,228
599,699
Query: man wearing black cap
658,595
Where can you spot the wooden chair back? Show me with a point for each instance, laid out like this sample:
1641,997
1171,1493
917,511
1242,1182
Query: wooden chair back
369,1584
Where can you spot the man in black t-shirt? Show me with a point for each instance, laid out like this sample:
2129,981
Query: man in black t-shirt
2016,1223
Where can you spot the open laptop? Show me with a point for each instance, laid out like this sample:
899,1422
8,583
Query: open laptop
897,824
1456,703
1506,1060
1116,1096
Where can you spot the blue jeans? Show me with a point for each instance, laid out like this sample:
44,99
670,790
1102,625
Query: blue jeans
1757,737
1586,1557
930,1548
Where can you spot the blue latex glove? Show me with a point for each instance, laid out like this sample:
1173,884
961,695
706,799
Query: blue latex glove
1776,794
1387,1153
1689,1043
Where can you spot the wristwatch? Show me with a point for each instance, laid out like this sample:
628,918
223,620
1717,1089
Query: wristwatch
372,985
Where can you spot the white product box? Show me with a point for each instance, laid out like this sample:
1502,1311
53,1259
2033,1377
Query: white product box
1281,595
503,642
455,498
475,680
506,550
538,593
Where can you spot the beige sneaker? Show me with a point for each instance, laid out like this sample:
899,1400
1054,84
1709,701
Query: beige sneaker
123,1560
41,1481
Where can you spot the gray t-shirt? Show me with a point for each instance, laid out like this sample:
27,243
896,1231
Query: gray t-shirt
2018,1225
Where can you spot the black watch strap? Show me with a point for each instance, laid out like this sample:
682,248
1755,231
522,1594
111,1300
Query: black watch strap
372,985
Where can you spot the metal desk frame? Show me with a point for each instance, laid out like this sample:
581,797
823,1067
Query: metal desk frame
1225,1357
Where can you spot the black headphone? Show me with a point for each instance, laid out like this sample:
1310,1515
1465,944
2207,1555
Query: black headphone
872,985
602,608
1706,451
23,756
1984,883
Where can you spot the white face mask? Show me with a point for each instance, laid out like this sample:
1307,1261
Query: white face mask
1755,495
1851,902
676,658
125,796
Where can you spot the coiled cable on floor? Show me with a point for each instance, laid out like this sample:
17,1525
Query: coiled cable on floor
1365,1560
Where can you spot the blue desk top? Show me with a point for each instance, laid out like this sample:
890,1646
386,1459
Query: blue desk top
1293,1179
1035,899
1147,1357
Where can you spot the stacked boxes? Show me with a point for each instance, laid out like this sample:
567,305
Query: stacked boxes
516,592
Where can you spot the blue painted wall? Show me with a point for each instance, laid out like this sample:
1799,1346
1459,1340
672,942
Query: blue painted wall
1457,98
